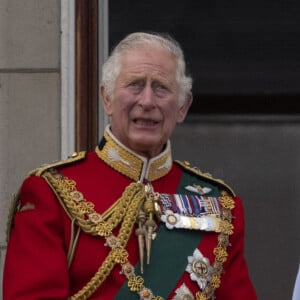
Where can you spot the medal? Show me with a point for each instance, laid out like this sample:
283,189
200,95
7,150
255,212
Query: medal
189,205
175,220
183,293
199,268
196,188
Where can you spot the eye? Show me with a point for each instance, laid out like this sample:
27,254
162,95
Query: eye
136,82
136,85
160,89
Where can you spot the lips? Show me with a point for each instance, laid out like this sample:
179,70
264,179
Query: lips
145,122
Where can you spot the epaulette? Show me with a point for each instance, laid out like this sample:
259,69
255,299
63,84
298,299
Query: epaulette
75,157
187,166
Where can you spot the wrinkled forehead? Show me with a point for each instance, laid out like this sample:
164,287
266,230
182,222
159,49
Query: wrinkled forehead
149,59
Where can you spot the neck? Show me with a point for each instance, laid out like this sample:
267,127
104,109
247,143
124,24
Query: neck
132,164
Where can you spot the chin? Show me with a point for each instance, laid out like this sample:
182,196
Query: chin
147,148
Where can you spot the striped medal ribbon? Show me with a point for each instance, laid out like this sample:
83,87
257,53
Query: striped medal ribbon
190,212
189,205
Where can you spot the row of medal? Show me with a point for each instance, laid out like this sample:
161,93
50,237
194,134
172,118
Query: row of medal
190,211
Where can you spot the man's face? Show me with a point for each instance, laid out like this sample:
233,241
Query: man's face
144,105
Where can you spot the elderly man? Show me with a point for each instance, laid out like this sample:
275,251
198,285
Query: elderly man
126,221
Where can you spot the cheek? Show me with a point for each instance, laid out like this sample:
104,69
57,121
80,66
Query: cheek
123,101
172,112
170,119
117,106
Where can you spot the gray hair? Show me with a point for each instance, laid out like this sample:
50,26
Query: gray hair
111,68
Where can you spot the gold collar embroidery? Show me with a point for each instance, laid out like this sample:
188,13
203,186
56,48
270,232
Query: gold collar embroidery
131,164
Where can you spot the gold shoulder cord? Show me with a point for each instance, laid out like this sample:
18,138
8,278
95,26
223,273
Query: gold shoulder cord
15,203
126,210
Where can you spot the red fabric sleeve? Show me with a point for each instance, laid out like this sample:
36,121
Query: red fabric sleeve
35,265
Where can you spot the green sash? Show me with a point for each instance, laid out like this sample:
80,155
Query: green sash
169,253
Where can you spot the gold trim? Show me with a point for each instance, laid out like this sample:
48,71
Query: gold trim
160,165
186,165
120,159
76,156
125,212
134,166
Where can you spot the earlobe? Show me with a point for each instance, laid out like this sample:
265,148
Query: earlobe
184,108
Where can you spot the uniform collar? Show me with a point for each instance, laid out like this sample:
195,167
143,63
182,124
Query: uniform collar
130,164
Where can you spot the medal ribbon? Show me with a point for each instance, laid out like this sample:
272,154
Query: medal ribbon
190,205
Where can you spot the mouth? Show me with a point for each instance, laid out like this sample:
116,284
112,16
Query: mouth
145,122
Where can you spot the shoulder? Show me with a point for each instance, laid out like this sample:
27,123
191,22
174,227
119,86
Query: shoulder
36,184
36,187
187,167
76,157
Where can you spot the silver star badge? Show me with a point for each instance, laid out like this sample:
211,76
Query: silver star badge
199,268
183,293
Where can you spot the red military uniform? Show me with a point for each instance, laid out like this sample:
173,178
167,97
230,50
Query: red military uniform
58,248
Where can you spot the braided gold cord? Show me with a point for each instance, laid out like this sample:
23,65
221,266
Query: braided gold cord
99,277
113,257
220,251
126,209
64,187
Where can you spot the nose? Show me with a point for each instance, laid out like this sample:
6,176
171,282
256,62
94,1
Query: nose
147,98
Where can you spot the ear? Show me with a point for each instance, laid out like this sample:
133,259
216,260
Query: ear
106,101
184,108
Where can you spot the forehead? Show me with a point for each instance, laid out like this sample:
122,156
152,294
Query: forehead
149,61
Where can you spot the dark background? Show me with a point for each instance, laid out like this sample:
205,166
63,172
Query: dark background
244,56
244,125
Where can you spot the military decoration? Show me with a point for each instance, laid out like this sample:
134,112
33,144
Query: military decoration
196,188
199,268
183,293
